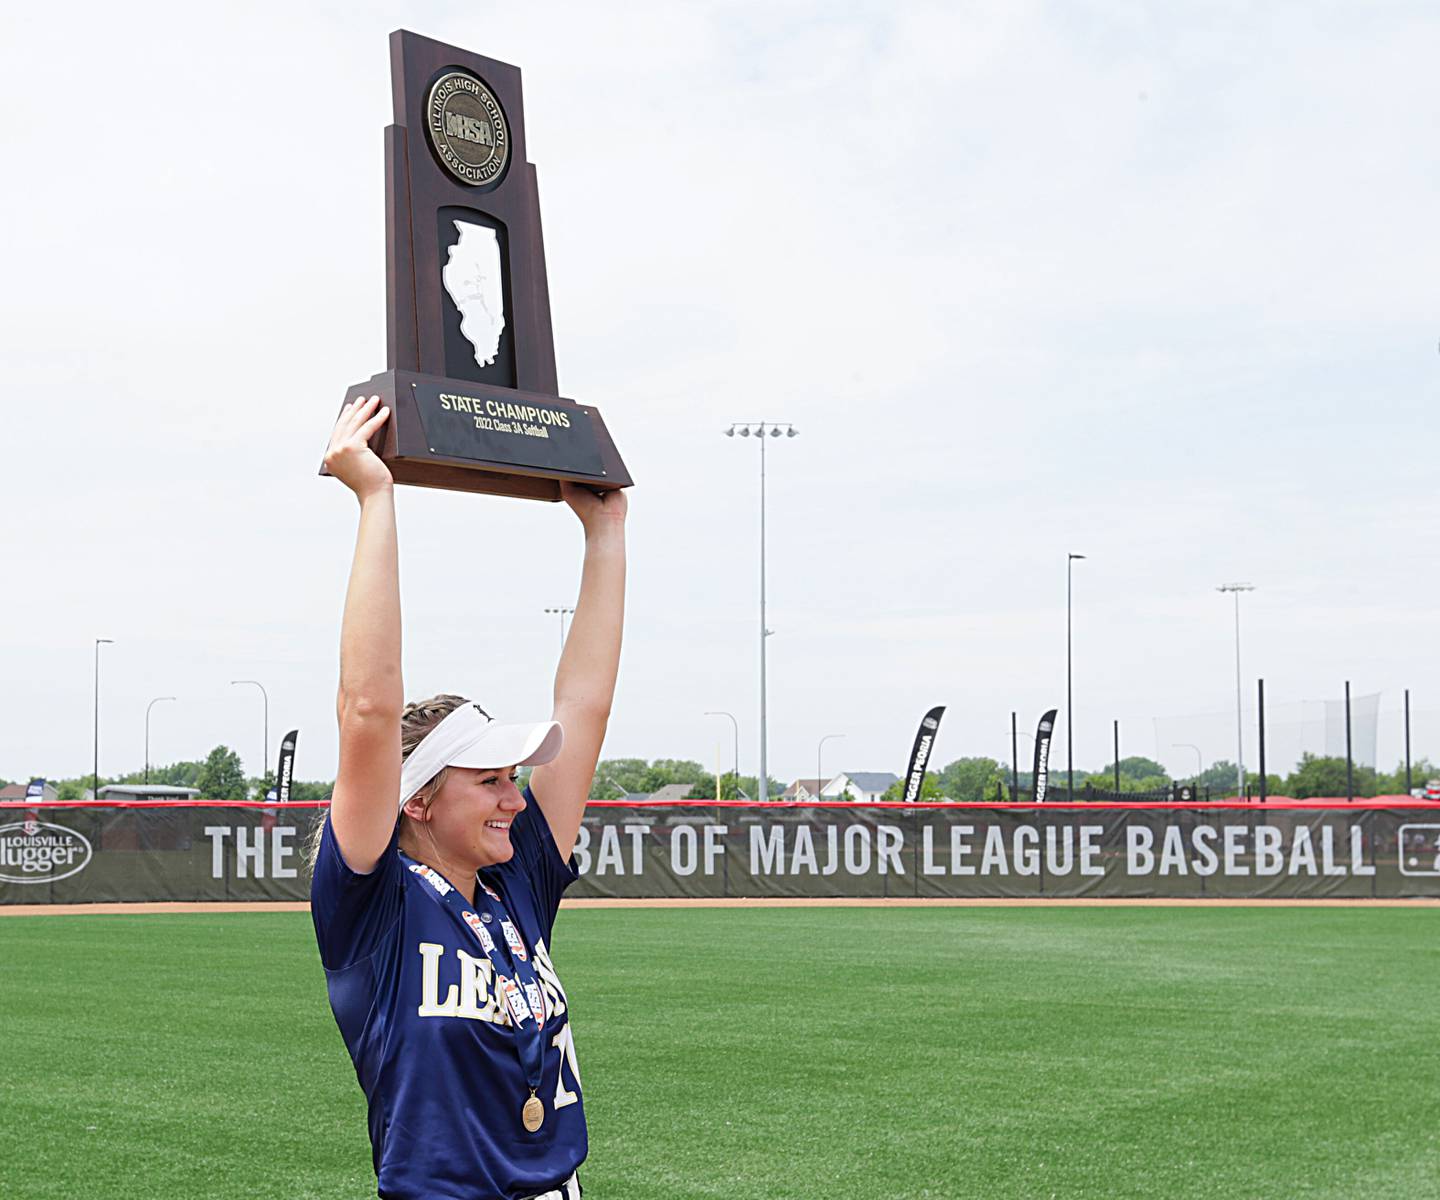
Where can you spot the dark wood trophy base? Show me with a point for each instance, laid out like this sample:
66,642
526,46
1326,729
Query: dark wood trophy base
470,437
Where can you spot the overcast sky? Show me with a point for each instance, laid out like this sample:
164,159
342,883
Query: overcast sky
1156,283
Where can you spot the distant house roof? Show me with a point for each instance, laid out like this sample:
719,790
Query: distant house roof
16,791
811,786
871,781
133,791
672,791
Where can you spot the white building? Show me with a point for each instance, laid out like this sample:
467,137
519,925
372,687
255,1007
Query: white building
121,792
860,786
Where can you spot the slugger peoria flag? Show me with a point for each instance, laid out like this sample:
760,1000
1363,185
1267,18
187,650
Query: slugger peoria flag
286,767
1040,777
920,755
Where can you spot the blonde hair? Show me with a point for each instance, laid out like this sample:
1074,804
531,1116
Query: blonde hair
416,721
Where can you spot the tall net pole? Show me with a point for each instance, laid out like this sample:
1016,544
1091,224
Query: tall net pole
1237,588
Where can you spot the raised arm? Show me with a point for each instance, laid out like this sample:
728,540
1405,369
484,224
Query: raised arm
367,787
585,680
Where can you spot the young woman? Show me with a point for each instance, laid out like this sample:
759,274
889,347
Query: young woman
437,880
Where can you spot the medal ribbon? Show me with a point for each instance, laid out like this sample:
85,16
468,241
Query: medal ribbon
516,984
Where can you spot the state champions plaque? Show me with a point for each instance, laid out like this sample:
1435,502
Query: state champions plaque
470,378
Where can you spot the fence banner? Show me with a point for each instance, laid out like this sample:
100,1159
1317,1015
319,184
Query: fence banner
929,850
152,850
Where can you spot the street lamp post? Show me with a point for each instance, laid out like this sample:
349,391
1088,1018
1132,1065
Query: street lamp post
265,748
1069,690
819,772
95,778
564,612
734,722
148,707
1237,588
760,429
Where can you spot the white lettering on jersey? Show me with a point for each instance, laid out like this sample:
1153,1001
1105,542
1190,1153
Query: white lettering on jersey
549,980
472,998
475,996
430,1005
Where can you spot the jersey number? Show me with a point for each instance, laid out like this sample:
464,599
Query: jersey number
565,1040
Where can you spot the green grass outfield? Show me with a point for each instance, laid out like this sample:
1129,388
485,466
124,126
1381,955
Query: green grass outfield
836,1053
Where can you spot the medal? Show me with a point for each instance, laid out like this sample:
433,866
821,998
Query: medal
532,1115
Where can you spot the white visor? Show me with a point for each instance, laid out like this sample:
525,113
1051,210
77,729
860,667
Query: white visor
469,737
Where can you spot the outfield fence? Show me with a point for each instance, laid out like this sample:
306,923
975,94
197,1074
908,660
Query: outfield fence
83,851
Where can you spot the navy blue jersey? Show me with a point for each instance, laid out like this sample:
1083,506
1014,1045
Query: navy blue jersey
433,1044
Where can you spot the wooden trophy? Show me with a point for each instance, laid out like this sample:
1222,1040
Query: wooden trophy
474,403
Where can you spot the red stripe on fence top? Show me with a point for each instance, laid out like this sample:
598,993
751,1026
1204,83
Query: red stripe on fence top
1232,802
163,804
1319,802
1326,802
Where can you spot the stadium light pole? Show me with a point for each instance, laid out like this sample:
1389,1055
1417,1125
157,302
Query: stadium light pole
148,707
563,613
1237,588
762,429
1069,690
819,771
95,778
265,749
720,712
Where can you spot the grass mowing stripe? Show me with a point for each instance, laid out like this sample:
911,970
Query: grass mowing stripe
775,1053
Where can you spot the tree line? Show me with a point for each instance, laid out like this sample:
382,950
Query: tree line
219,776
981,779
978,779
